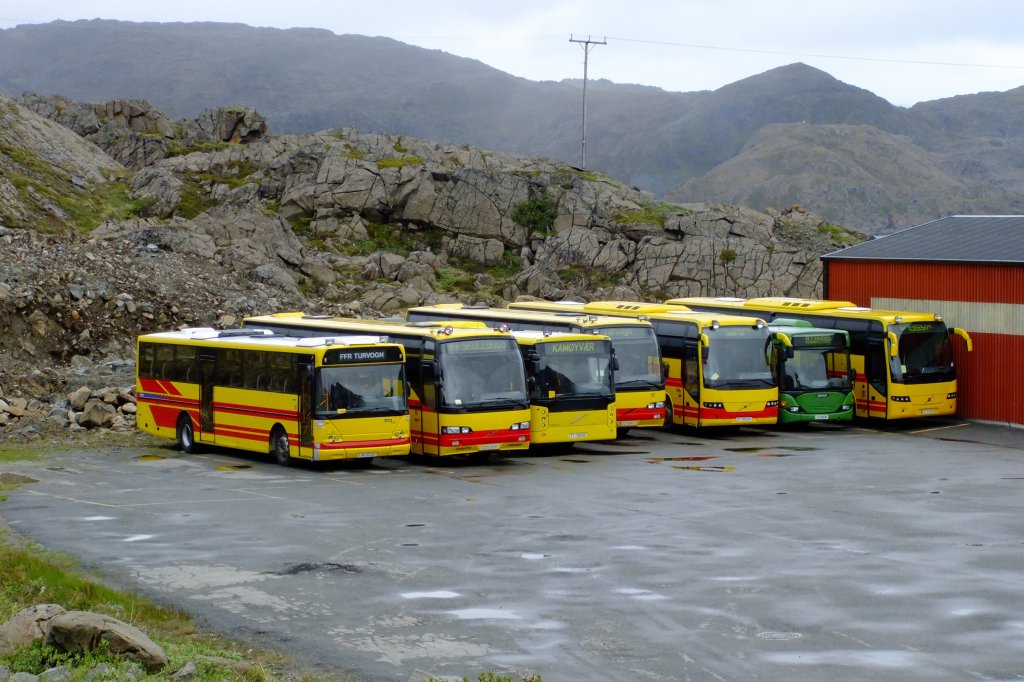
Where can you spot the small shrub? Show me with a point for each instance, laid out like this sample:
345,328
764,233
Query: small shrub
727,256
537,214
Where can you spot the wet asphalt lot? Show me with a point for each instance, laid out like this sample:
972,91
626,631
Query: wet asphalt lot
819,554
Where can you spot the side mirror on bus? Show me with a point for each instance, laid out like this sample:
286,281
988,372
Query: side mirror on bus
853,375
664,371
894,349
962,333
704,340
614,363
533,367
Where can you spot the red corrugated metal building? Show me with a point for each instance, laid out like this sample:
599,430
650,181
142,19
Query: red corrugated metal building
970,270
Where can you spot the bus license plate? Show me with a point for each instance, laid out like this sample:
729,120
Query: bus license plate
366,454
629,423
821,417
577,435
744,419
489,446
929,410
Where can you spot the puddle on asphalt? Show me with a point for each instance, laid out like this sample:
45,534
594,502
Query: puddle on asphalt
485,614
439,594
97,518
327,567
696,458
234,467
409,544
577,461
533,557
715,469
415,525
759,450
150,458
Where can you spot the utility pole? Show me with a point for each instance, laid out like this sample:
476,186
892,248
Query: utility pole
587,46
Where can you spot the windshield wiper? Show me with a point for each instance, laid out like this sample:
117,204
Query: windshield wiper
638,383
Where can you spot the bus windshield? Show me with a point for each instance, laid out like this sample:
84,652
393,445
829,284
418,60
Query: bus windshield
575,368
736,359
348,390
636,349
925,353
482,373
814,369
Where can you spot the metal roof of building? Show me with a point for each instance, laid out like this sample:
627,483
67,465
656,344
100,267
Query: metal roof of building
958,239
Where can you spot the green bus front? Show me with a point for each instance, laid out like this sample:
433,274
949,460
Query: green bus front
813,371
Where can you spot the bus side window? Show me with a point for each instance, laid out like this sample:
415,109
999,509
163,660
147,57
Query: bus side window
280,368
184,364
254,369
163,365
229,367
145,361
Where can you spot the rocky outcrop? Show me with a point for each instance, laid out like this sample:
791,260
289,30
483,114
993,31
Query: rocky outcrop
137,134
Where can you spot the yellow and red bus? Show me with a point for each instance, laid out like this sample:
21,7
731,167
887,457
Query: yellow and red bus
639,382
903,360
716,365
572,386
315,398
443,362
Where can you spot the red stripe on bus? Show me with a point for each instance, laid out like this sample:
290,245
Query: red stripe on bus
270,413
351,445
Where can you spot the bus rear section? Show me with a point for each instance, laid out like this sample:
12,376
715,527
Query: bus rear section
467,385
639,382
572,389
813,370
255,391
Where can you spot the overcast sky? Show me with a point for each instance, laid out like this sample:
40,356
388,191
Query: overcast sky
903,50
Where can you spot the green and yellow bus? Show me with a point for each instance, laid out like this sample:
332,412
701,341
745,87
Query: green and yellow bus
572,386
812,368
903,360
716,365
639,382
467,383
317,398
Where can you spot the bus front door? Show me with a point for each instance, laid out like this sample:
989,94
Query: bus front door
305,408
207,426
873,394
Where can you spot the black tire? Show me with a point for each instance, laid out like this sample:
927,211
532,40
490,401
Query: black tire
669,425
186,435
622,432
280,449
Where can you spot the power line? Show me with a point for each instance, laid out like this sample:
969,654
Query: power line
820,56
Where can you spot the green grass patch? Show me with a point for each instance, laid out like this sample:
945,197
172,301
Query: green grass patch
652,214
400,162
838,235
182,150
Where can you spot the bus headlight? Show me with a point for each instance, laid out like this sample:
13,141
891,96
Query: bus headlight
715,406
656,406
951,396
772,403
794,408
455,430
845,408
901,398
520,426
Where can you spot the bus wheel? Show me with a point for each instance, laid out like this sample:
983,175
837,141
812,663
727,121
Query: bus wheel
621,432
186,435
280,450
669,425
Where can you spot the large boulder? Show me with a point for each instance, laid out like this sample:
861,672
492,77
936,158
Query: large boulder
84,631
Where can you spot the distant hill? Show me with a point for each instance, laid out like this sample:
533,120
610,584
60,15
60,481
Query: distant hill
684,146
